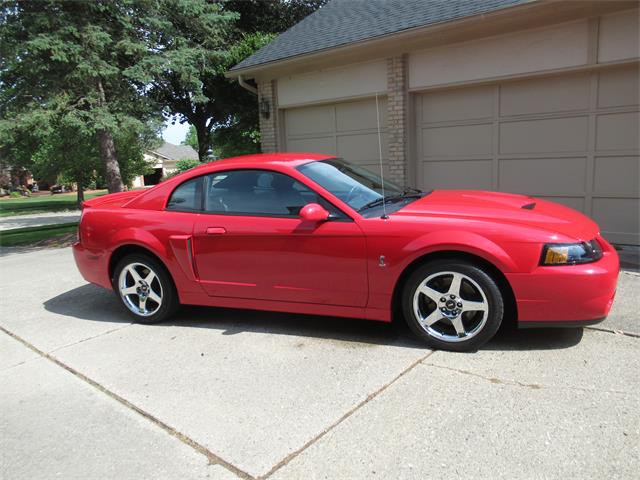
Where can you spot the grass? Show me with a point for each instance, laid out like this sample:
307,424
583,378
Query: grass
31,235
43,203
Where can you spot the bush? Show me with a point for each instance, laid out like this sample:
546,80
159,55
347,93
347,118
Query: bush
15,195
186,164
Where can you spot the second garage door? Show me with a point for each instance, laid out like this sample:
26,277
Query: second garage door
572,139
348,130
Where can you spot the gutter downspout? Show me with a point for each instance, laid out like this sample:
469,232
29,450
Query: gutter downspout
246,86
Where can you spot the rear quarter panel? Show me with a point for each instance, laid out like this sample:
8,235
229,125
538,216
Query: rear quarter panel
165,234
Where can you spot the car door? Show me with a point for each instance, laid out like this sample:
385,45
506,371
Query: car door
250,243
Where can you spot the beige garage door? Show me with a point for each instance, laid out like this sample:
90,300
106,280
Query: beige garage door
348,130
572,139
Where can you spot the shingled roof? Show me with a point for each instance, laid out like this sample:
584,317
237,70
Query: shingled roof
176,152
343,22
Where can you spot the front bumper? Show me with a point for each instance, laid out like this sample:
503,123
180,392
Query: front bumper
571,295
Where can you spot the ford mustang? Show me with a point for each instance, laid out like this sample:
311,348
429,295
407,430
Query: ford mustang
314,234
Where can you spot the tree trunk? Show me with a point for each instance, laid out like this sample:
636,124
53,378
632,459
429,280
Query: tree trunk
203,142
108,153
80,192
111,167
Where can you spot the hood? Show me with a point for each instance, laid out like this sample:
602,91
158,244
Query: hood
504,208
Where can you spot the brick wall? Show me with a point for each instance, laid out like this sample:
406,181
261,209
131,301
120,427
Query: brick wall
397,118
268,126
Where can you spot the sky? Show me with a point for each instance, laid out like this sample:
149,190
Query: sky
175,133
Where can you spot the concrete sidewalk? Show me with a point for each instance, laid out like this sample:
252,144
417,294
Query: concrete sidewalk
220,393
39,219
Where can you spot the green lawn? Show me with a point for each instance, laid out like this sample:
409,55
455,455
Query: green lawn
42,203
31,235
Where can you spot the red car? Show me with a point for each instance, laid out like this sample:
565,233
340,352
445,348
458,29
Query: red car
313,234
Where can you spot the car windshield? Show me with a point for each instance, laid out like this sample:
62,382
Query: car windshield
352,184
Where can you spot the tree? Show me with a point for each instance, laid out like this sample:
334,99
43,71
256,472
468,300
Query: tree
191,138
194,46
185,41
73,59
63,147
271,16
259,22
68,152
186,164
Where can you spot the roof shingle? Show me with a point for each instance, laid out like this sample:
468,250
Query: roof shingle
342,22
176,152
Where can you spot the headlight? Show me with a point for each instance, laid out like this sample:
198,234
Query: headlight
571,253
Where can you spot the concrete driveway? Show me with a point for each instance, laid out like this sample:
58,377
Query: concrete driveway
223,394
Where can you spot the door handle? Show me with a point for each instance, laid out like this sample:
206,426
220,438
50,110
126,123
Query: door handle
216,230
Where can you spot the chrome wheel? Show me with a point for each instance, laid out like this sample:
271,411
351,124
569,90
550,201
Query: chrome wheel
450,306
140,289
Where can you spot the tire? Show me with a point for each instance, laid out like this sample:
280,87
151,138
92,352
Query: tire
149,298
452,305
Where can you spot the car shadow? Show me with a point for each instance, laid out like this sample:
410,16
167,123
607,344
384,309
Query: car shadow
534,339
93,303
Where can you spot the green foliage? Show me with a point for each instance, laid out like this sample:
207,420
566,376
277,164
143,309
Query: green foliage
84,85
186,164
271,16
63,148
131,144
64,66
182,166
186,47
237,132
191,138
186,73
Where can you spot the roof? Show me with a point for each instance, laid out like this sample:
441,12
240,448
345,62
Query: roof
176,152
343,22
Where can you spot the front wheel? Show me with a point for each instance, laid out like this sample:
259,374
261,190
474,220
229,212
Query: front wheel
452,305
145,288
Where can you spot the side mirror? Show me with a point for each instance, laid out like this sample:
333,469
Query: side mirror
313,212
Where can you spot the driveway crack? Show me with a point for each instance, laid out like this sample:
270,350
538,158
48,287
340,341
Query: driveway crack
348,414
212,457
515,383
614,331
90,338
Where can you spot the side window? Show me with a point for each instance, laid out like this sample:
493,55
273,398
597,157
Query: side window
256,192
187,196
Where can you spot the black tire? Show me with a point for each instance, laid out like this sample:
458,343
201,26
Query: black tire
163,284
477,286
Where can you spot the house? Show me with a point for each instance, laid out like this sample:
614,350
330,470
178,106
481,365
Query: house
528,96
14,178
163,160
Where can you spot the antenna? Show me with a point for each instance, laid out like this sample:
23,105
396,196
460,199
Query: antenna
384,202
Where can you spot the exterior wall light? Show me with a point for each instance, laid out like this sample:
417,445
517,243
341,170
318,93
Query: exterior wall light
265,108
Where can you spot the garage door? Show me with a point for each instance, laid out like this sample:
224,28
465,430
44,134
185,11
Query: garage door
571,139
348,130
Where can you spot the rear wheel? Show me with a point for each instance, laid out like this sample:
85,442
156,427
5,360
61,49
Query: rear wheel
145,288
452,305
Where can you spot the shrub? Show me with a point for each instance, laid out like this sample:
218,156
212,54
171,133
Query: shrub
186,164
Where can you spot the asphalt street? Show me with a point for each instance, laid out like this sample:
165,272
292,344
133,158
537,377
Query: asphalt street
223,394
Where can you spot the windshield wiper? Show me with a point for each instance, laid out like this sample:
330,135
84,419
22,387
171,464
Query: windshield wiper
406,193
